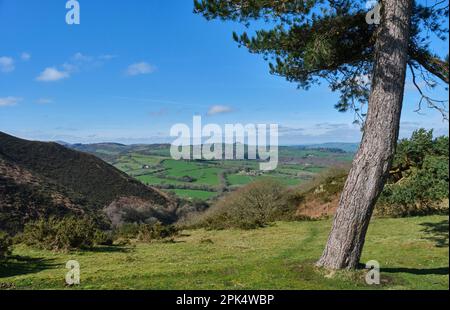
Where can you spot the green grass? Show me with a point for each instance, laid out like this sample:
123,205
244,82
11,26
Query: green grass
413,254
203,173
315,169
128,165
153,180
206,173
239,179
190,193
178,165
206,176
132,163
147,159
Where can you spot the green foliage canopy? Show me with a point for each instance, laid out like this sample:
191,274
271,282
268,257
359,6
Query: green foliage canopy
419,179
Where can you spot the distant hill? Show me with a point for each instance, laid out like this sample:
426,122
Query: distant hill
110,151
39,178
346,147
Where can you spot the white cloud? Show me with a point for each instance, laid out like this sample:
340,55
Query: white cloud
77,63
6,64
9,101
70,68
219,109
25,56
44,101
82,58
320,133
139,68
52,74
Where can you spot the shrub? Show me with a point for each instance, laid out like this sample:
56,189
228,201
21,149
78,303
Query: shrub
424,192
156,231
137,210
103,238
419,179
190,209
253,206
5,245
126,231
144,232
60,234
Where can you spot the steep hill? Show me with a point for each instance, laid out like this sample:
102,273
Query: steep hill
39,177
25,196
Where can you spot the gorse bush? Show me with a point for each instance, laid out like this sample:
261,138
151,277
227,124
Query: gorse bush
156,231
144,232
127,231
5,245
60,234
423,192
419,179
255,205
103,238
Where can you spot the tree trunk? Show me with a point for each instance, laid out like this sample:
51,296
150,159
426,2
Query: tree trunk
374,157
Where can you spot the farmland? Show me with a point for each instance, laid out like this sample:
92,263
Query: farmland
205,180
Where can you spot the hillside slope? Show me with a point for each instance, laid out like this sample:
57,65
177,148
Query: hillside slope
26,196
55,178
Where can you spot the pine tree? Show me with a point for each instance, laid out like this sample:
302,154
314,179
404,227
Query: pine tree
365,60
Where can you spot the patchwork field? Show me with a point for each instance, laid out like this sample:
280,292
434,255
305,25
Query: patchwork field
413,254
204,180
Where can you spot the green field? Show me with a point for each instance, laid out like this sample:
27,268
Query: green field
413,254
203,179
185,178
238,179
196,194
202,173
153,180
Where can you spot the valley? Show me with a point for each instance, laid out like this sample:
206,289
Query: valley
205,180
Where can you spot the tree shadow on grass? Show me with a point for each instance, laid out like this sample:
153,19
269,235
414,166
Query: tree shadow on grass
417,271
111,249
437,232
20,265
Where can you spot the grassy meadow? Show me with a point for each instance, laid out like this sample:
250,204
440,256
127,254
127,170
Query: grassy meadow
413,254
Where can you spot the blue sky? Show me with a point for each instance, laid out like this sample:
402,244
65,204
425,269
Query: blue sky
134,68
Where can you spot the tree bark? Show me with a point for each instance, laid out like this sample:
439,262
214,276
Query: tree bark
374,157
